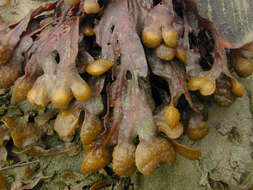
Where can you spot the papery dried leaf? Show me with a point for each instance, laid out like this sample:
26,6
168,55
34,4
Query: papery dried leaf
71,175
22,135
3,185
100,184
42,119
96,186
30,171
77,180
3,154
29,184
4,134
80,186
69,149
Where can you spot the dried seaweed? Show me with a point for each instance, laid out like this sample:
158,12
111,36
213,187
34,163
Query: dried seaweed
140,47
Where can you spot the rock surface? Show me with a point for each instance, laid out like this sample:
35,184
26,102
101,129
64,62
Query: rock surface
233,18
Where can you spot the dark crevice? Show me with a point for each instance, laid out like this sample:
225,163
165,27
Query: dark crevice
128,75
157,2
159,87
57,57
112,28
